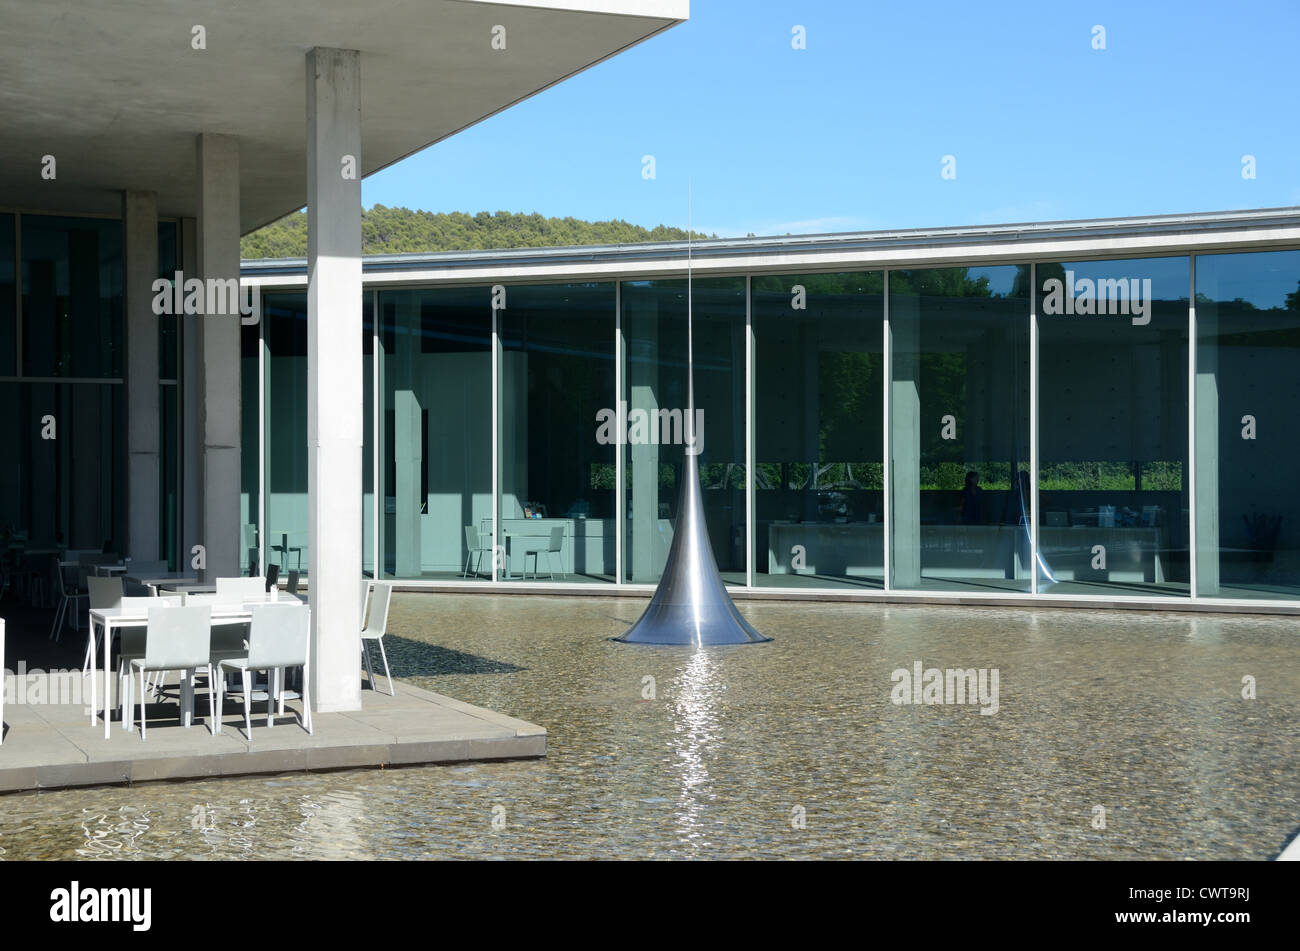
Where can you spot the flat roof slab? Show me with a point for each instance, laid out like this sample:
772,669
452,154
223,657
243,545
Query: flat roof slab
116,92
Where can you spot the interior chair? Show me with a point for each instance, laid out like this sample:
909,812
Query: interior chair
374,632
272,577
277,638
248,538
176,638
536,548
285,549
474,549
103,593
556,548
71,593
295,577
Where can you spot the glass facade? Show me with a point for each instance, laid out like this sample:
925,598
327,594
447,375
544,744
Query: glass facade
1086,428
435,449
818,452
959,429
62,349
1247,433
557,468
1112,406
654,322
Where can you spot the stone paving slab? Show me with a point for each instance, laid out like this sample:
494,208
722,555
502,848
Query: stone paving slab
49,746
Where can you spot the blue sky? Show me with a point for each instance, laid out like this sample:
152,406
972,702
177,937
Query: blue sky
850,133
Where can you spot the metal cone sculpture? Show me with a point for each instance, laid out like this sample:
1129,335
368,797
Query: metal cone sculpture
691,604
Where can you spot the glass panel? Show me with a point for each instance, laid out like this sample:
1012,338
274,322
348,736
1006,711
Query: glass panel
1247,433
169,494
8,319
285,335
818,403
368,435
959,429
72,296
557,465
250,501
64,491
436,450
654,331
1112,344
168,332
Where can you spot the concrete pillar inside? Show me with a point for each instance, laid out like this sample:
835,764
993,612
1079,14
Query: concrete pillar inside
408,442
642,383
140,256
218,356
335,394
1205,506
905,441
811,436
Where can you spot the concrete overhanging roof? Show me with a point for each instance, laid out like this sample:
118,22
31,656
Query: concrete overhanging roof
117,94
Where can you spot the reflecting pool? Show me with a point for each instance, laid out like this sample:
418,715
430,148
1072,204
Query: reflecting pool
788,749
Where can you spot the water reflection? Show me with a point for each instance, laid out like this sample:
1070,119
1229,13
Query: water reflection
695,704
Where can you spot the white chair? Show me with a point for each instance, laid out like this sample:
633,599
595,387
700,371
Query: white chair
71,576
227,636
552,548
177,639
474,549
130,645
374,631
2,686
104,594
278,638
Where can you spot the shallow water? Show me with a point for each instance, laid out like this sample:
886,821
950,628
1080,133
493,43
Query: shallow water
786,749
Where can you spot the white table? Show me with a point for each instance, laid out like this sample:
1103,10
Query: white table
153,581
112,618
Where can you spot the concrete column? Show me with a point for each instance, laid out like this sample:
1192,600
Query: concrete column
642,384
1205,507
335,392
140,257
408,441
218,356
811,435
905,441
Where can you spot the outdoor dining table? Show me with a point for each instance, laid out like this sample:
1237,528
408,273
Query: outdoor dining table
107,571
152,582
112,618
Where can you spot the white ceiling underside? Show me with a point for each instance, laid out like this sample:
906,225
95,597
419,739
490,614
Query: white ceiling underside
116,93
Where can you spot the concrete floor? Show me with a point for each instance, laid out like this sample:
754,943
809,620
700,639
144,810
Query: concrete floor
53,744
